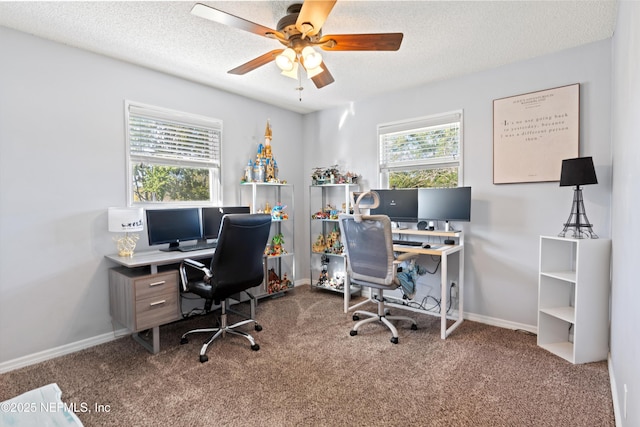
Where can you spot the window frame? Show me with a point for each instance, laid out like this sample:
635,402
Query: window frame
413,124
181,118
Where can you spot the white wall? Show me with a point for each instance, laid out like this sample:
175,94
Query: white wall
62,163
625,316
501,256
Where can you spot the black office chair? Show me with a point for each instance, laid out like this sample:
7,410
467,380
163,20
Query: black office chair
236,266
368,244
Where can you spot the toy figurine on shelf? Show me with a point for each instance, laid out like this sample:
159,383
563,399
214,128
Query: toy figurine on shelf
265,167
277,213
319,245
277,284
275,248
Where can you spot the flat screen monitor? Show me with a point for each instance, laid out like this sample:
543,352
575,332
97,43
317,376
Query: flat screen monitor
211,221
212,218
236,210
445,204
173,226
400,205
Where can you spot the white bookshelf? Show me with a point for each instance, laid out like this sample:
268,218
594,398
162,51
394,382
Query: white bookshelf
573,298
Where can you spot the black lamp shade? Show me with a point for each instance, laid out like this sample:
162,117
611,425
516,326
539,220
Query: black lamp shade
578,171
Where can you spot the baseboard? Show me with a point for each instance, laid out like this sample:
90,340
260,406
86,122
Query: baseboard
614,394
63,350
501,323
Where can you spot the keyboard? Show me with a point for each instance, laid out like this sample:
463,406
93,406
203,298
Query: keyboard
407,242
197,247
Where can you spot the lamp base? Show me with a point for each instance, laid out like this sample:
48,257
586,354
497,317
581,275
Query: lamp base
126,245
578,223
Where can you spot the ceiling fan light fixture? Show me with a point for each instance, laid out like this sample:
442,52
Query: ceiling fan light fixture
286,61
311,58
293,72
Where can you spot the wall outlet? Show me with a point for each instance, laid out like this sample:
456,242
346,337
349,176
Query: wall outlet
454,290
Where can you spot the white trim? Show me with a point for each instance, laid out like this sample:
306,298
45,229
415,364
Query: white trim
32,359
617,416
501,323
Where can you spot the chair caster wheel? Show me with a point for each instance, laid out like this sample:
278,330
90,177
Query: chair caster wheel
394,340
255,347
414,327
258,328
203,358
356,317
353,333
184,340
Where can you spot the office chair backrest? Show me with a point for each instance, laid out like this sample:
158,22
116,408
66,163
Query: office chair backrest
368,243
237,263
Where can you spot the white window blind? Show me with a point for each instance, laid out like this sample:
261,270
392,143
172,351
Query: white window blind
162,136
425,142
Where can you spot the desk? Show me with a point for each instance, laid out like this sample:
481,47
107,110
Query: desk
141,297
443,251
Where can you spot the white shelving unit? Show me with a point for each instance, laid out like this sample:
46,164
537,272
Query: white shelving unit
334,264
573,298
283,265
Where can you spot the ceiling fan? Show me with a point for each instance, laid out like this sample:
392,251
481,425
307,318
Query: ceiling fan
299,32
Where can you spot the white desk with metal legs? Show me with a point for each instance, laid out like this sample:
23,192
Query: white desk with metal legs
443,251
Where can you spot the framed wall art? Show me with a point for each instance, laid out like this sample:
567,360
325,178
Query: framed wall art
533,133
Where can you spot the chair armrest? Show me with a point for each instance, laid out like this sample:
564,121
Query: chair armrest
190,263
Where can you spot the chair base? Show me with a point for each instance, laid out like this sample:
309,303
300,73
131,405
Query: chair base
381,316
223,330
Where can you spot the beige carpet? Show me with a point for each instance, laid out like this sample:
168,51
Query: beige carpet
309,371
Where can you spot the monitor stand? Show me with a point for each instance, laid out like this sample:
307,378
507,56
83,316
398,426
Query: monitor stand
173,246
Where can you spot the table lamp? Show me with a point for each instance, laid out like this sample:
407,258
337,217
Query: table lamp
578,171
125,220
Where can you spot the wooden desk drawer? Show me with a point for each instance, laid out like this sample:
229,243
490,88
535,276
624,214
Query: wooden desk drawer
156,284
157,310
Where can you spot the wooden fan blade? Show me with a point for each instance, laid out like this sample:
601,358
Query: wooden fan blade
324,78
215,15
313,12
382,41
255,63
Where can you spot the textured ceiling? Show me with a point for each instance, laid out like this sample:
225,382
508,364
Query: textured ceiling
442,39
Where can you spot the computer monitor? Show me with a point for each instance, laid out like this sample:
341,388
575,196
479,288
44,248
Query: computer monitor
236,210
211,221
400,205
212,218
444,204
173,226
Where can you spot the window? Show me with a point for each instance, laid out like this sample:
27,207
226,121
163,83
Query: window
422,152
173,157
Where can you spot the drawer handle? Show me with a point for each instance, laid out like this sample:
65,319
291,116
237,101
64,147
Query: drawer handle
157,303
162,282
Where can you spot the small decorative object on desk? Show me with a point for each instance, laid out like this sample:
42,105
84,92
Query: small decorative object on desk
265,167
332,175
125,220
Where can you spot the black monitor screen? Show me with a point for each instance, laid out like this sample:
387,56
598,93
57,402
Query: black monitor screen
400,205
445,204
211,221
173,226
212,218
236,210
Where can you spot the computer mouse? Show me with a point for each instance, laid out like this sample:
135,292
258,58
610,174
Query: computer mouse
426,245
